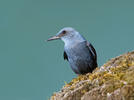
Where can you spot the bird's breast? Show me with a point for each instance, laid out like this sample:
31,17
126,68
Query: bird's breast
80,58
77,52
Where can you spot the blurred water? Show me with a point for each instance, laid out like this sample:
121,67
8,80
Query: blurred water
32,69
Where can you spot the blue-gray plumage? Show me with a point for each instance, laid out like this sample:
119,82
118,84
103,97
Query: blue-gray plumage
80,54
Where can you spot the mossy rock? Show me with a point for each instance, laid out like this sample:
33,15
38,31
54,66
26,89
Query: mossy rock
112,81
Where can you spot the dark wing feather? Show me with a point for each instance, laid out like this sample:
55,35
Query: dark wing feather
65,56
92,50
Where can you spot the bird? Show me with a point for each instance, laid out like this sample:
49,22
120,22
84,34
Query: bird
80,53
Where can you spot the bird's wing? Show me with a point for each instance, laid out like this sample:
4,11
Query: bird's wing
65,56
92,50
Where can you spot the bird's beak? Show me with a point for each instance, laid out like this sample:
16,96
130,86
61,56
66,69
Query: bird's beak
53,38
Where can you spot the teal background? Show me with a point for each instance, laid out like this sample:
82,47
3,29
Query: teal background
32,69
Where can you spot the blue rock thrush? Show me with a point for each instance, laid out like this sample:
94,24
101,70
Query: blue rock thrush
80,54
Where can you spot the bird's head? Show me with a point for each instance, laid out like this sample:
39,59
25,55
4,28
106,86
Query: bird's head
67,35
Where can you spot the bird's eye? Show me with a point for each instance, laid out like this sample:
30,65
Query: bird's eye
64,32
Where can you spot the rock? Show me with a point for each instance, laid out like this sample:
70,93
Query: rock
112,81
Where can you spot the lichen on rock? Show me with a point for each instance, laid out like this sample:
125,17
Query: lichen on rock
112,81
